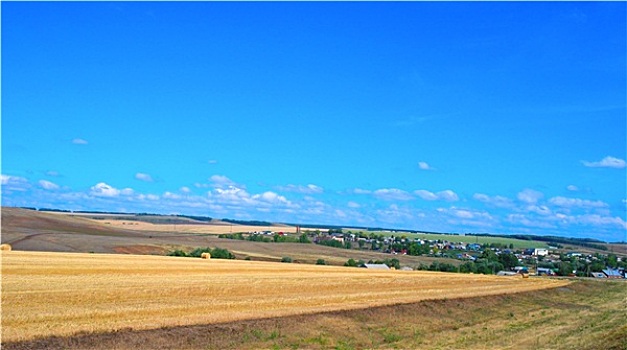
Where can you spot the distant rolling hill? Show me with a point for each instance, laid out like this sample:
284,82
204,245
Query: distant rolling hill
33,230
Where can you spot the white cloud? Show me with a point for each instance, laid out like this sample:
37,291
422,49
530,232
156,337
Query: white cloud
392,194
539,209
352,204
47,185
468,217
607,162
599,220
271,197
221,181
526,221
143,177
530,196
4,179
361,191
446,195
150,197
185,189
79,142
103,190
170,195
229,194
576,202
213,161
424,166
14,183
572,188
394,214
497,201
52,173
595,220
309,189
464,214
426,195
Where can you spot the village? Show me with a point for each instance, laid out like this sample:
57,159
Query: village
487,258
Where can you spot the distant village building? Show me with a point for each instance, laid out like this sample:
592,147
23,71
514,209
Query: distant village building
377,266
612,273
540,252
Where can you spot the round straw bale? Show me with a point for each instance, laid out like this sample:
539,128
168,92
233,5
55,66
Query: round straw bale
5,246
205,256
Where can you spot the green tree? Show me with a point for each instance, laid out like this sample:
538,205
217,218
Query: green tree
489,255
467,267
351,262
177,252
612,261
508,260
565,269
321,262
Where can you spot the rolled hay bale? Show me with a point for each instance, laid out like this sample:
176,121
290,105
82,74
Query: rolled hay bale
5,247
205,256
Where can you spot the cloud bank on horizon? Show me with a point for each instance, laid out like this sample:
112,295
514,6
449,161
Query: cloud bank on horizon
449,117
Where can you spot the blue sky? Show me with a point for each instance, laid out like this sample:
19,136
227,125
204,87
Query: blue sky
503,117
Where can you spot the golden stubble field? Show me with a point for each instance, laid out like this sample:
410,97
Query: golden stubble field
46,294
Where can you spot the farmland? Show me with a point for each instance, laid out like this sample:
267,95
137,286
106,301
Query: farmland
39,231
61,294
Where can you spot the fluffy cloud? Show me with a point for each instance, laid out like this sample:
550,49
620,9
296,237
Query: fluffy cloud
271,197
221,181
426,195
361,191
446,195
530,196
229,194
47,185
524,220
14,183
424,166
598,220
352,204
394,214
497,201
572,188
392,194
309,189
576,202
79,142
4,179
607,162
143,177
150,197
103,190
185,189
539,209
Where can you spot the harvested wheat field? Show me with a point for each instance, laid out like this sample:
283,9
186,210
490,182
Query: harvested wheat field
61,294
